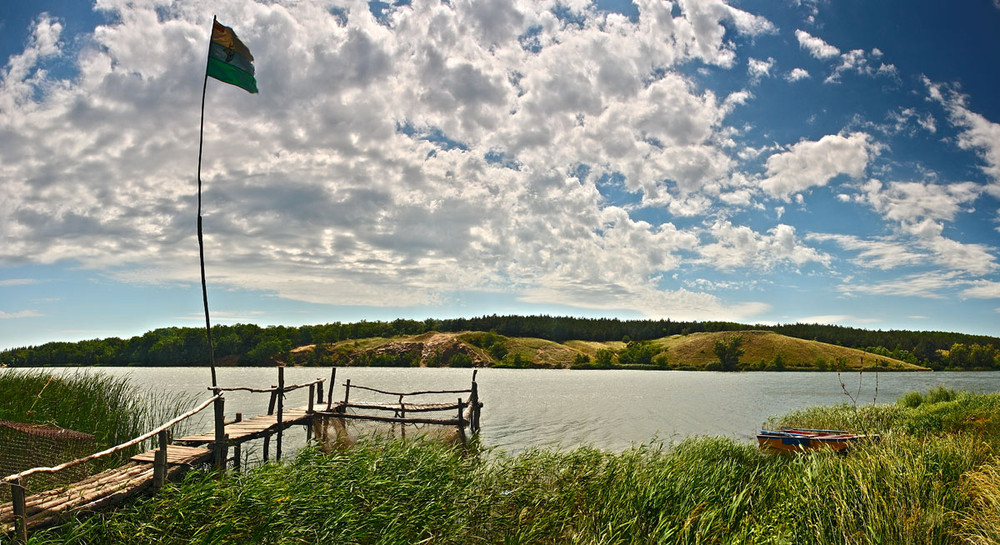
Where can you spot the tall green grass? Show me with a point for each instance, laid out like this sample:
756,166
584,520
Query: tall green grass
113,410
933,479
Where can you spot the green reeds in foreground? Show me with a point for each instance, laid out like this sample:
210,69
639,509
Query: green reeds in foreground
932,479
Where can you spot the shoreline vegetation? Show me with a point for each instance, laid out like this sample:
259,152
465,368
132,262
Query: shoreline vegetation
97,411
933,478
533,342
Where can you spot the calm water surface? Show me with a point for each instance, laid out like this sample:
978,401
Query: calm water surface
609,409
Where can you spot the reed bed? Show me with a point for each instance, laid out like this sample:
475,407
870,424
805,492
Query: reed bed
113,410
933,479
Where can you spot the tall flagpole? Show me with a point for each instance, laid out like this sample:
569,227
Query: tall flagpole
201,240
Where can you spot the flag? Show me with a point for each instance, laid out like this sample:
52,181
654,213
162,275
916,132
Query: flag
229,60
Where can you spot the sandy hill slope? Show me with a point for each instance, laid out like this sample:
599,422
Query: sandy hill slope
762,350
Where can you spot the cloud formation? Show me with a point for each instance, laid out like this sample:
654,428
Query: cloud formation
399,154
816,46
387,156
810,164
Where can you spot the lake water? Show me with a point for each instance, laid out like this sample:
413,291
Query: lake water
610,409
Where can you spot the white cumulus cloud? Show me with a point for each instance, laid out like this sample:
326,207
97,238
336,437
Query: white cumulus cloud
816,46
809,164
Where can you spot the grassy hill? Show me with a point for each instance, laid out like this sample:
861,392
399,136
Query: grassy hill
762,350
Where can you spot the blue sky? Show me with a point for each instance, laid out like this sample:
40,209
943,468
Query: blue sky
771,161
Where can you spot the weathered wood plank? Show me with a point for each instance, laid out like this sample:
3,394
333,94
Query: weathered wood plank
253,428
178,454
105,489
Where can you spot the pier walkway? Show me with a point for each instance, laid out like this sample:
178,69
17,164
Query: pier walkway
146,472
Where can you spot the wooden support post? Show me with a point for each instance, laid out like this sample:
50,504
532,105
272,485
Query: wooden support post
160,461
319,393
281,405
329,395
238,447
347,392
461,423
267,446
402,414
474,406
20,518
274,399
220,446
310,410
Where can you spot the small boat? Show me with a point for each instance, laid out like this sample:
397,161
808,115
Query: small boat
804,439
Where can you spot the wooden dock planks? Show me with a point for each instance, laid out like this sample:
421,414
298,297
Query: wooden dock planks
253,428
178,454
104,489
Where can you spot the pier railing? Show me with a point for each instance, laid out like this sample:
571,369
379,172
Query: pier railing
466,411
276,407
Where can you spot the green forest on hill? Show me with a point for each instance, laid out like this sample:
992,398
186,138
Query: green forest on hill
629,342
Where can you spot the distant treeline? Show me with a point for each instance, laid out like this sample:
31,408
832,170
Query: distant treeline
250,345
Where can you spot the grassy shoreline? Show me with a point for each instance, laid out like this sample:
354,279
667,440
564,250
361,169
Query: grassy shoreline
934,478
113,410
79,414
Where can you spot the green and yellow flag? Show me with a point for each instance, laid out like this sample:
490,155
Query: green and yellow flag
229,60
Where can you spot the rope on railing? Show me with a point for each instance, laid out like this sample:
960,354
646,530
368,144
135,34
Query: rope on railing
266,390
467,390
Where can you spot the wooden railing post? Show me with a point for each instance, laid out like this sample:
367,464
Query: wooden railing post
160,461
270,410
475,407
238,447
310,410
281,404
461,423
319,393
273,400
402,415
347,392
20,512
329,394
220,446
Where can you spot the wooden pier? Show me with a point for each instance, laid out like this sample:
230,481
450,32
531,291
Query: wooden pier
146,472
